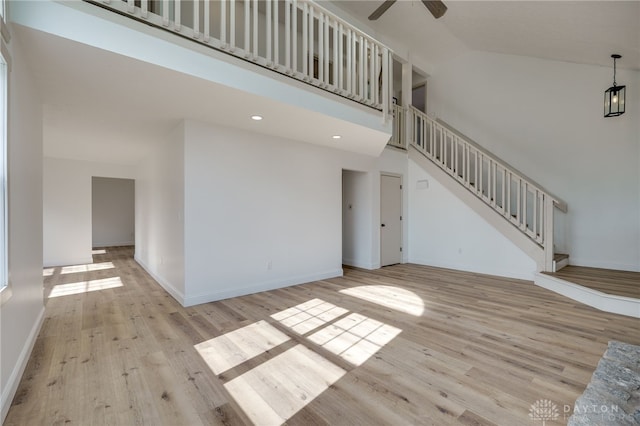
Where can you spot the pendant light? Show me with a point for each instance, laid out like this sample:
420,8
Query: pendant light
614,95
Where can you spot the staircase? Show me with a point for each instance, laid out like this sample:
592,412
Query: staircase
514,204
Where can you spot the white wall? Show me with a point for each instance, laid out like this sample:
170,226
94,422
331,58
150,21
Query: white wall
67,232
21,315
112,211
546,119
445,232
260,213
160,214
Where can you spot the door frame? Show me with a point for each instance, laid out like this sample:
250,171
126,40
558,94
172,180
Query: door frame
402,245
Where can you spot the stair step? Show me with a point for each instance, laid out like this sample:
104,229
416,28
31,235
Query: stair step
560,260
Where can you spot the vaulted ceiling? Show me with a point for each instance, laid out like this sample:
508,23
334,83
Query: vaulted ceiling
585,32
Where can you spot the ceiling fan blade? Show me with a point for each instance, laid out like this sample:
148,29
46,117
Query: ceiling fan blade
382,9
436,7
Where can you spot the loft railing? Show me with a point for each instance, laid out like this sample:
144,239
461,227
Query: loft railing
298,38
518,199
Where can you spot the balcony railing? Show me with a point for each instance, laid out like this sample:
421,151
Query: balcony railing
298,38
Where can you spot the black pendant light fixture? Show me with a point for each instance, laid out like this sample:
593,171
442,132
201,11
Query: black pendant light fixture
614,95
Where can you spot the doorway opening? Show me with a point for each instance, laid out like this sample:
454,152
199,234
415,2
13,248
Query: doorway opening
112,212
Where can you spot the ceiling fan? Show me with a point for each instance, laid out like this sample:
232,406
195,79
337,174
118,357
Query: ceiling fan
436,7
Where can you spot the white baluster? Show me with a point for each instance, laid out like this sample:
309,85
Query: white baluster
165,13
176,20
276,33
247,28
254,30
361,72
327,51
144,7
349,77
320,75
131,6
385,89
287,34
310,57
223,21
305,40
268,30
207,20
196,19
232,24
340,55
294,36
336,53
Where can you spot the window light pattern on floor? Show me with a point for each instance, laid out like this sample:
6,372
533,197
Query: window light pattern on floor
355,338
89,267
273,391
85,287
395,298
309,315
232,349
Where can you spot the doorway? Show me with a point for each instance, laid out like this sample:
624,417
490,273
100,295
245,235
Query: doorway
112,212
390,219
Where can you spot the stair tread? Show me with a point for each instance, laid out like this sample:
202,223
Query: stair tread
560,256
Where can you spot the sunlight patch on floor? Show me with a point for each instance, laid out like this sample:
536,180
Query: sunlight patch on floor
47,272
89,267
99,251
277,389
355,338
309,315
395,298
85,287
232,349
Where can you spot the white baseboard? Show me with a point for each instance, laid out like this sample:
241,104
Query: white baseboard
259,287
67,262
359,264
112,244
14,379
175,293
507,273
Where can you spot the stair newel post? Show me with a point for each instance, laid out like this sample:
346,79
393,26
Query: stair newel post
548,233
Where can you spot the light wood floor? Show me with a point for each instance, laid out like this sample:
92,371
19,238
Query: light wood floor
402,345
619,283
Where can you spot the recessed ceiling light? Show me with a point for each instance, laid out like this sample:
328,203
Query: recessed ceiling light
336,137
256,117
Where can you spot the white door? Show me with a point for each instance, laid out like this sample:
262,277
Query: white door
390,220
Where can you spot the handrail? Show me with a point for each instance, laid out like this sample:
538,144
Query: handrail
298,38
518,199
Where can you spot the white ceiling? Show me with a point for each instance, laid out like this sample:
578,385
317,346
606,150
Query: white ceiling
585,32
105,107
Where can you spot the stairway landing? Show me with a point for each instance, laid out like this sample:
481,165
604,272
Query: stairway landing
605,289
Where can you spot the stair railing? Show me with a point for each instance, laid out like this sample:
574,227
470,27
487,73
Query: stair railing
298,38
517,198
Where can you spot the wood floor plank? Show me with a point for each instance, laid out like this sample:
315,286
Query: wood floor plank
405,344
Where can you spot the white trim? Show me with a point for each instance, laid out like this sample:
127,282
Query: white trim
507,273
14,379
594,298
259,287
169,288
107,245
67,262
359,264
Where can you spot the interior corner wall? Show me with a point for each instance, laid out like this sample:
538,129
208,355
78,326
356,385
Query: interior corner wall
545,118
112,212
159,222
445,232
22,314
67,232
